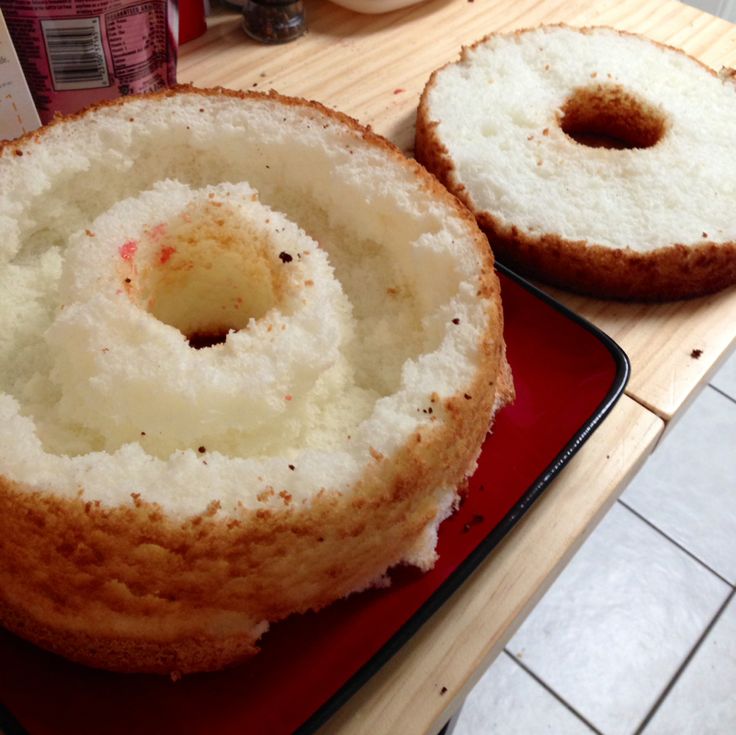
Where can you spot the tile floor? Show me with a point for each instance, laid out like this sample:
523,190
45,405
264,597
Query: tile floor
638,634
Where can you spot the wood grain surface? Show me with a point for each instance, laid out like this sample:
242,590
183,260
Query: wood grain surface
674,348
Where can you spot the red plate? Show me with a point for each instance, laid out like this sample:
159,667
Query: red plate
568,375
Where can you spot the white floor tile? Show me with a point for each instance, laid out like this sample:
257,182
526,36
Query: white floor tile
725,378
508,701
709,6
702,700
687,488
612,631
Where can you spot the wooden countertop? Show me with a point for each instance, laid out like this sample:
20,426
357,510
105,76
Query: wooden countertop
374,67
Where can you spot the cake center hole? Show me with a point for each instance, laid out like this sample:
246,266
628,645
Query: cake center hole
200,340
209,273
608,116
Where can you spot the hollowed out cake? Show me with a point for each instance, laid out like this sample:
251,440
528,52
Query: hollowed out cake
248,356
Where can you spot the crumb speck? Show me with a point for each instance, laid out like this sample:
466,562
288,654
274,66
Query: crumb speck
474,521
165,254
378,456
695,354
128,249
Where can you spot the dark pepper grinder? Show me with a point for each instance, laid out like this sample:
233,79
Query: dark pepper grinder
274,21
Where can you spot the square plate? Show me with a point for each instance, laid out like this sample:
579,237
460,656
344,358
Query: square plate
567,374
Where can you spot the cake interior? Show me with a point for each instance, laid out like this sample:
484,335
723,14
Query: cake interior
400,284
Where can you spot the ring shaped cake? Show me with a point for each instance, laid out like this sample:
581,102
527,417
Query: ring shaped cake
594,159
249,353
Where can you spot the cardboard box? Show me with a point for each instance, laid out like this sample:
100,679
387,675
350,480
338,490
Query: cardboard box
17,112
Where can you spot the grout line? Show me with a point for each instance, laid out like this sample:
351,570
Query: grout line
722,392
684,664
549,689
675,543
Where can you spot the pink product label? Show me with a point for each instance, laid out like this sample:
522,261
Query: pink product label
77,52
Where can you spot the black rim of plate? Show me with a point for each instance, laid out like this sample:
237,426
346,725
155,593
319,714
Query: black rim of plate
486,546
10,726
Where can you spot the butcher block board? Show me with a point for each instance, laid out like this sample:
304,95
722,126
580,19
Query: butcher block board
374,67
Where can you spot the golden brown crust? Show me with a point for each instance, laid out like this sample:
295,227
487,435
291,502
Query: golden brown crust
12,147
130,588
586,30
188,652
672,272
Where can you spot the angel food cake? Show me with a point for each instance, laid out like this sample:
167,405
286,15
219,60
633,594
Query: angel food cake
248,356
594,159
